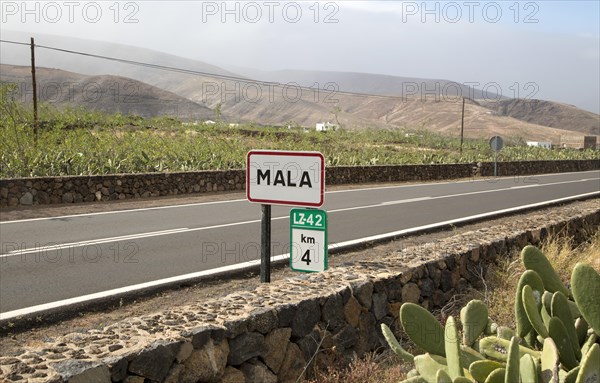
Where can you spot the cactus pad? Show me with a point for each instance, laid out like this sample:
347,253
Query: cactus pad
534,259
512,361
422,328
589,371
585,283
532,279
452,347
560,309
559,335
481,369
474,319
394,345
550,362
528,370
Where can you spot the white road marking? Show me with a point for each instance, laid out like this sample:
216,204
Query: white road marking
187,230
473,180
98,241
279,258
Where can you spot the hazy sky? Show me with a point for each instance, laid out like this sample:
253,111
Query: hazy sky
540,49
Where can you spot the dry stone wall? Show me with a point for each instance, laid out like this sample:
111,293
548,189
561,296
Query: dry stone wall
273,333
77,189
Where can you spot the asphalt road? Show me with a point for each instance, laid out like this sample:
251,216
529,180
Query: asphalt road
49,262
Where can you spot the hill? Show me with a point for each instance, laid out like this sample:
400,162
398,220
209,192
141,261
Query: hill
384,102
548,113
112,94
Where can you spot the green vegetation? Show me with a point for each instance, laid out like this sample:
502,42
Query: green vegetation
80,142
558,342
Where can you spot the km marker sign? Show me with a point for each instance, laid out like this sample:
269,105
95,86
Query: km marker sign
285,178
288,178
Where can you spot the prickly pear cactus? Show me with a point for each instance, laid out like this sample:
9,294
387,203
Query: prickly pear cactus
534,259
585,282
547,320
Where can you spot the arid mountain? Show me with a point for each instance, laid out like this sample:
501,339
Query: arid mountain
548,113
244,100
103,93
369,83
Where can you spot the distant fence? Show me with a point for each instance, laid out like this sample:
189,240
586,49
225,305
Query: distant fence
78,189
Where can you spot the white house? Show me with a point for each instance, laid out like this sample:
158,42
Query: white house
325,126
540,144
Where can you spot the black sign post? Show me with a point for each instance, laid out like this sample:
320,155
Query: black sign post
265,244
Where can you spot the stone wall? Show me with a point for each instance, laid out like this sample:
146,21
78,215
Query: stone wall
75,189
510,168
271,334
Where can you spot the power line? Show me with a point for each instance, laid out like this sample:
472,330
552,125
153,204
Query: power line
206,74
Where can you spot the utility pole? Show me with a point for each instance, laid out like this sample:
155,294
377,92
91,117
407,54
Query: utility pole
462,126
35,108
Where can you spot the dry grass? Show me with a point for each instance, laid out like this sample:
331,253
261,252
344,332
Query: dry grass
373,368
500,282
502,278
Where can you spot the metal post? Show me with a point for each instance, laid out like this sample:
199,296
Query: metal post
462,126
34,85
495,164
265,245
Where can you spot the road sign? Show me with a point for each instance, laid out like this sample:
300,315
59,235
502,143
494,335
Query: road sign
496,143
308,240
285,178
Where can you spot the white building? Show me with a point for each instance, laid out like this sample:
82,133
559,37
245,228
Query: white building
540,144
325,126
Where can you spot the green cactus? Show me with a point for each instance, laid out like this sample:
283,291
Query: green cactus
585,283
452,348
532,279
545,317
497,349
559,335
589,370
560,309
545,314
422,328
549,362
505,332
512,361
415,379
527,370
591,340
534,259
443,377
395,345
532,311
571,376
491,327
496,376
547,301
412,373
482,368
581,327
462,379
428,365
474,319
469,355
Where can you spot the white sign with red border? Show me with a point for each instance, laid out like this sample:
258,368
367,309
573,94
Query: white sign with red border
285,178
